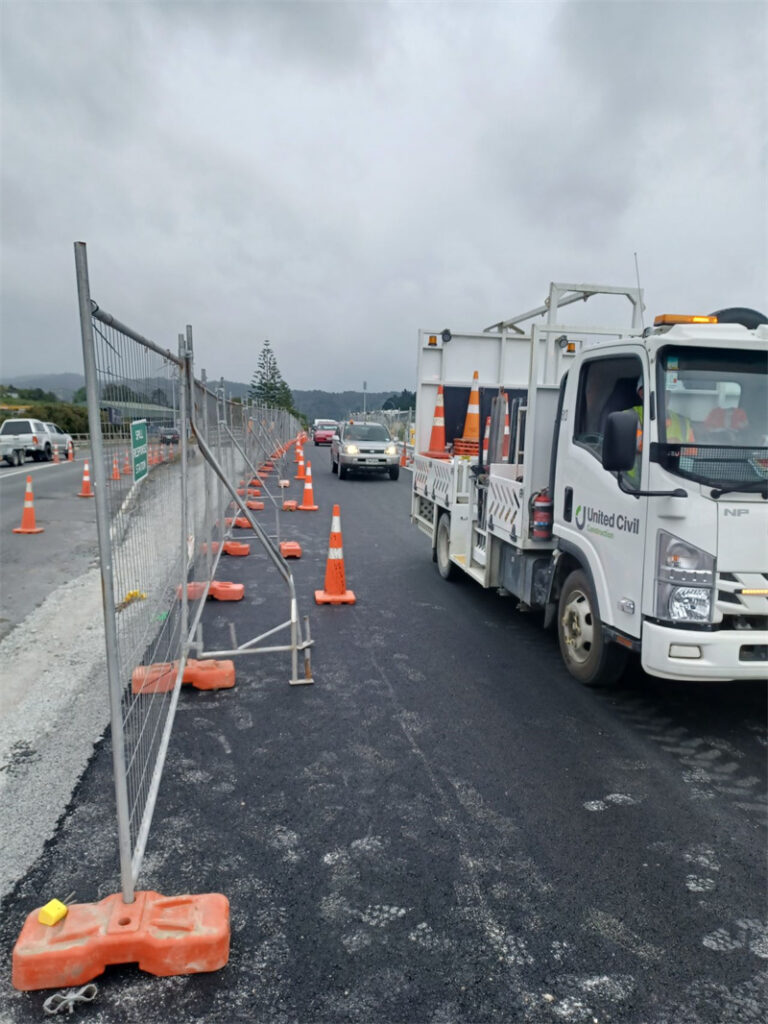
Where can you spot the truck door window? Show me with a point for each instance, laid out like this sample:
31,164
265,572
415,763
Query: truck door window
606,385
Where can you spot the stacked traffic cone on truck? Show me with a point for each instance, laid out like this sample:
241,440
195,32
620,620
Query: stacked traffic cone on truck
437,445
469,442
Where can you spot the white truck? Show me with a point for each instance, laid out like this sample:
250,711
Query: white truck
21,437
632,507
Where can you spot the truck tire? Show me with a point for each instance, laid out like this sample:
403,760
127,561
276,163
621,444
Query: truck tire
580,633
47,453
394,472
342,472
334,467
445,566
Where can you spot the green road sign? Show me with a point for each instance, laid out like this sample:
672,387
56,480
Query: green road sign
139,449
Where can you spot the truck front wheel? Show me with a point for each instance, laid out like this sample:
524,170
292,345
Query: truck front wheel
580,632
445,566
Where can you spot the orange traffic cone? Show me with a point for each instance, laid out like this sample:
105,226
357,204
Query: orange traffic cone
70,452
437,437
126,464
469,442
308,501
472,420
335,583
115,469
486,438
56,458
301,473
28,515
403,459
86,491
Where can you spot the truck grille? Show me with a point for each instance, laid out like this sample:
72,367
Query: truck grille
740,610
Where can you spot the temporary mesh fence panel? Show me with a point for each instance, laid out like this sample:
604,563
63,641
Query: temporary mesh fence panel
168,455
137,480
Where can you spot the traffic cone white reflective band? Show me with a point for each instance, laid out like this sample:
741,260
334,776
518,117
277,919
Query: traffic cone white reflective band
28,515
487,435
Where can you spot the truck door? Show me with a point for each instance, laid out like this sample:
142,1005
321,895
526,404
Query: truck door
593,518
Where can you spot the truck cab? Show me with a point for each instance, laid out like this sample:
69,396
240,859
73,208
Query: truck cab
675,544
621,485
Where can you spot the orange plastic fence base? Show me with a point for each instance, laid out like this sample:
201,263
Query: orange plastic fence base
241,522
219,590
224,591
290,506
165,935
323,597
236,547
308,508
254,506
209,675
203,675
254,492
290,549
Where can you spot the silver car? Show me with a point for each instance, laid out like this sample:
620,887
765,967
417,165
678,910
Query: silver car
60,440
367,447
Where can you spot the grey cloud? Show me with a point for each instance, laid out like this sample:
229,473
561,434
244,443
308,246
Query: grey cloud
334,176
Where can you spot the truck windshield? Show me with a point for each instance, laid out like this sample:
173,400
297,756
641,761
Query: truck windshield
713,416
15,427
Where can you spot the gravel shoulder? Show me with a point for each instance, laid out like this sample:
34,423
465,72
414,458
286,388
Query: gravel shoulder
55,708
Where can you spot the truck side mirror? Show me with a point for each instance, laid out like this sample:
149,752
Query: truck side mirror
620,441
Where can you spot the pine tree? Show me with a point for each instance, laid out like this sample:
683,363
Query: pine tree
267,385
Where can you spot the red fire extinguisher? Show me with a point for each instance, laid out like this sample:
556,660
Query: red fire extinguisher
541,517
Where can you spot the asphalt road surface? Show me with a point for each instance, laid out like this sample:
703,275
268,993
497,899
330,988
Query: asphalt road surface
445,827
35,565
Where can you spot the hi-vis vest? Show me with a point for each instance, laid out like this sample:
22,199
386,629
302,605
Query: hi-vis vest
678,428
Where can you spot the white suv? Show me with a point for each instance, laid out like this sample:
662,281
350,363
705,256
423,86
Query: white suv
367,447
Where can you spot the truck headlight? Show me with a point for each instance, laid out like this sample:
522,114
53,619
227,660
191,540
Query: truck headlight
685,580
391,449
351,449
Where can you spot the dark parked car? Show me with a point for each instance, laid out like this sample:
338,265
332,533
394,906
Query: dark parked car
169,435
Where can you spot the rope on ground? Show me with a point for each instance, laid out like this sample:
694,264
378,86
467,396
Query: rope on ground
61,1001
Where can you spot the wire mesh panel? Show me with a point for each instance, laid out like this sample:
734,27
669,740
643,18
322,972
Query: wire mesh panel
168,454
138,440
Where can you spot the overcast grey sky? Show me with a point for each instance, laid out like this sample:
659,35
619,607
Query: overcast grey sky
333,176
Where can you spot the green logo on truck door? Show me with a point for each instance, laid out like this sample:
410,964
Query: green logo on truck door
596,520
